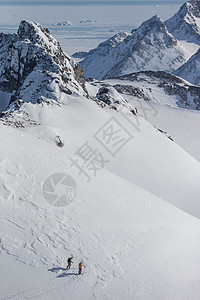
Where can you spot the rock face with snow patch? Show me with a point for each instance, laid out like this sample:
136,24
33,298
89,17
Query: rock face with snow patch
158,87
185,24
109,95
33,67
190,71
150,47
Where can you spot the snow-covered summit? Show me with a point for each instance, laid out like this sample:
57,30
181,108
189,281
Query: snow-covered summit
185,24
34,68
150,47
191,69
105,46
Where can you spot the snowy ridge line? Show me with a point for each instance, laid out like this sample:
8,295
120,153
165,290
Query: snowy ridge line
157,87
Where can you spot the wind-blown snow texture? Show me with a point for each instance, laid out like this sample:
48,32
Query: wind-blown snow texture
150,47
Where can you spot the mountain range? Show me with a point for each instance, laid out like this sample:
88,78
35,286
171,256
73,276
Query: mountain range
153,46
150,47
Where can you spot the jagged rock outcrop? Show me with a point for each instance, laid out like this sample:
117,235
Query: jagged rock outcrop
190,71
150,47
185,24
109,96
34,68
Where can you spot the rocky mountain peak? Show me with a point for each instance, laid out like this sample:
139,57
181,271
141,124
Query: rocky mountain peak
32,31
154,22
155,26
34,67
185,24
150,47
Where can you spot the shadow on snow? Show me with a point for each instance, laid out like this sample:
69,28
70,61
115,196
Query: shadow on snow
57,269
66,274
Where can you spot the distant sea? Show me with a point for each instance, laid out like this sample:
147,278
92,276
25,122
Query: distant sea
89,24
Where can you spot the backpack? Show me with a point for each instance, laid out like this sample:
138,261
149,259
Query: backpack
69,260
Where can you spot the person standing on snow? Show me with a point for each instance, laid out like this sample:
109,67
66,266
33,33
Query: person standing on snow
70,262
80,265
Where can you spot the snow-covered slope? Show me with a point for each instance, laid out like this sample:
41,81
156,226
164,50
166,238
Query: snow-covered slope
33,67
150,47
166,101
191,69
185,24
134,244
105,46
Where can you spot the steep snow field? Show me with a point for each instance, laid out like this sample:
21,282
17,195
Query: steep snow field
181,124
191,47
134,244
166,113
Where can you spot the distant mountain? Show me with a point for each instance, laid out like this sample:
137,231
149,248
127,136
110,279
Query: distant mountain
156,87
34,68
185,24
150,47
65,23
104,47
190,71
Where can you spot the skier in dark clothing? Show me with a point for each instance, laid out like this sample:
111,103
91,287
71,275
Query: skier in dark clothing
70,262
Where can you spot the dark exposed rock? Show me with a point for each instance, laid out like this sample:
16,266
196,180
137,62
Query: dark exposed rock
109,96
33,67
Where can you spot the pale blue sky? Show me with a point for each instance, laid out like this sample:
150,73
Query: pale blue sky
92,2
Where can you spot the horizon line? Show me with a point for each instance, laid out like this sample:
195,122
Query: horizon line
100,3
